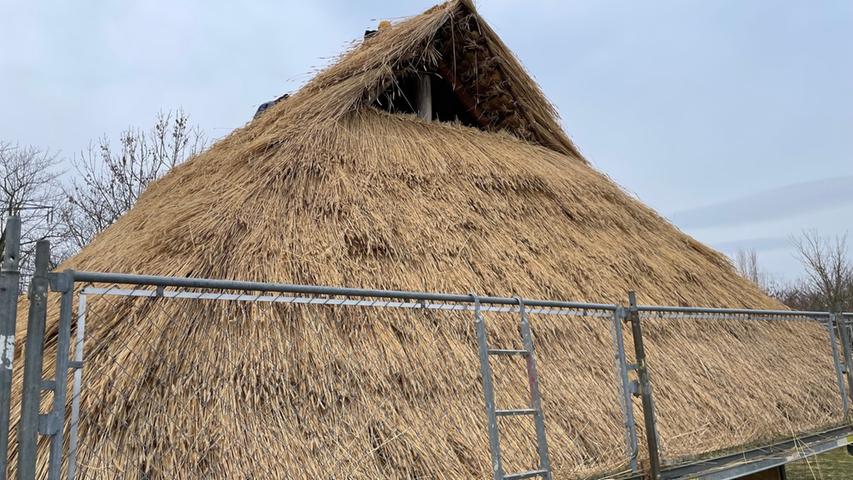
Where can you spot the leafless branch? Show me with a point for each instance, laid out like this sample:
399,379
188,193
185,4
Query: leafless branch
829,271
110,182
746,262
29,188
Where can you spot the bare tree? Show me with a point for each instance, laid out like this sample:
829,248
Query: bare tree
829,271
746,262
111,181
797,294
29,189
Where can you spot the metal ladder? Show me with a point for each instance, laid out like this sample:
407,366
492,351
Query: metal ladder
492,413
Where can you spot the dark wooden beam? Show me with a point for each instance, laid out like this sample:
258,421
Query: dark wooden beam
464,97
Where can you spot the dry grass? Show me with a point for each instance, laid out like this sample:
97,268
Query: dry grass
325,190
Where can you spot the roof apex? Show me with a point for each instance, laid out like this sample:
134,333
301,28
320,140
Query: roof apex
452,36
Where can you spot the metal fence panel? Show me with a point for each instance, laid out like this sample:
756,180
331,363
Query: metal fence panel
177,373
758,345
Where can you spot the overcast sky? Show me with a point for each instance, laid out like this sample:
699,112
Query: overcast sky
734,118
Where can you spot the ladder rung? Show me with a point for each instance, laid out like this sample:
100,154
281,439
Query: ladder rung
508,351
530,474
514,412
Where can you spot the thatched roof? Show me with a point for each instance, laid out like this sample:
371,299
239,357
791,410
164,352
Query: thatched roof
324,188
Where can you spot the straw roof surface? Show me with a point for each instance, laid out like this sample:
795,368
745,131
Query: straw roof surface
323,188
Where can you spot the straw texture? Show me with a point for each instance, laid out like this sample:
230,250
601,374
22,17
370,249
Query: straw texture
325,189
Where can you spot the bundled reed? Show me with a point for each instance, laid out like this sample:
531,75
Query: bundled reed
325,189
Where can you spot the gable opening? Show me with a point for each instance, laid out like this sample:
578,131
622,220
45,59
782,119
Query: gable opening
435,101
469,80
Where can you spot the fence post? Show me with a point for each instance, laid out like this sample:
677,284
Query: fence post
10,279
841,324
645,386
839,368
625,387
76,387
28,429
488,391
63,283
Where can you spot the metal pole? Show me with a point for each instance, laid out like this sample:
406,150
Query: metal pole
76,388
28,429
625,390
732,311
63,343
535,395
839,375
645,387
488,392
845,348
9,287
213,284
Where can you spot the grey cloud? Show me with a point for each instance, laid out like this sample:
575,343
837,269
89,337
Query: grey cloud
758,244
778,203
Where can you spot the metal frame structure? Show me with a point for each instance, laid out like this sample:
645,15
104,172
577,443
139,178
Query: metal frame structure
84,284
543,469
759,459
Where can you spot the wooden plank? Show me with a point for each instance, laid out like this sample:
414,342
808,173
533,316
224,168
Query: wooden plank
467,101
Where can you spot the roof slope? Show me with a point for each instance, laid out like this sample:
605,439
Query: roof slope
429,205
325,189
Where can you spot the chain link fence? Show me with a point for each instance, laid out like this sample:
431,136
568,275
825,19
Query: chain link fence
759,346
130,376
